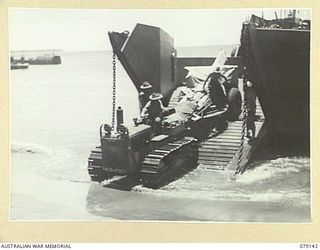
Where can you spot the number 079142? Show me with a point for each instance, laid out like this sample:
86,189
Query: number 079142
308,246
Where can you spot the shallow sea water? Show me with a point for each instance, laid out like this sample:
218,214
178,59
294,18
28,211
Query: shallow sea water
56,111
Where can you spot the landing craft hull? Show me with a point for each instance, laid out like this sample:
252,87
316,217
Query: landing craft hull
278,61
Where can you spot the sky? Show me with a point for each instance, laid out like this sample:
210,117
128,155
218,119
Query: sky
86,30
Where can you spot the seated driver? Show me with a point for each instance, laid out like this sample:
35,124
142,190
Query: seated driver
154,111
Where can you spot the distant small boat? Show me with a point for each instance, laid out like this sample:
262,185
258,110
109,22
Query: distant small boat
19,65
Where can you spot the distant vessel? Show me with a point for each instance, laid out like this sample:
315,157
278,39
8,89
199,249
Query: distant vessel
45,59
276,54
37,57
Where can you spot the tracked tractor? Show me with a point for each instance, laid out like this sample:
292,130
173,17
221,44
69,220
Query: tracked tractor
138,152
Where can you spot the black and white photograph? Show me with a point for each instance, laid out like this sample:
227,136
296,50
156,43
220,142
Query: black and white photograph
166,115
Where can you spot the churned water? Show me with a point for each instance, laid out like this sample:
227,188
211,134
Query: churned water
56,111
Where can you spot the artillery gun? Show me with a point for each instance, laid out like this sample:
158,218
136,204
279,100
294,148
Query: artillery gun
137,151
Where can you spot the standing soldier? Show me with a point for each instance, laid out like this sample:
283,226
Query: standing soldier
215,86
145,92
250,97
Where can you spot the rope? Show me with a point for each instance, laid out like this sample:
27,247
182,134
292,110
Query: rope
114,62
244,125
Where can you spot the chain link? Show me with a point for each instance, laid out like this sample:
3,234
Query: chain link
244,125
114,68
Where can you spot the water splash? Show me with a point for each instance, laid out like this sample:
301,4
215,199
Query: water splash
62,163
282,181
269,169
29,148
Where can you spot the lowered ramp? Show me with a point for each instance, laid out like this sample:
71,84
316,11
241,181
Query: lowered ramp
222,152
216,153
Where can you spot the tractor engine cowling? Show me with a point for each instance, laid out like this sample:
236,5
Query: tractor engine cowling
123,150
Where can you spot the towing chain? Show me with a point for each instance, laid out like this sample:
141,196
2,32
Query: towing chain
244,125
114,68
246,41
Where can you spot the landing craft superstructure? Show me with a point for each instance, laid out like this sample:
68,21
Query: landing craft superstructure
147,54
